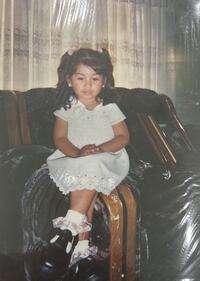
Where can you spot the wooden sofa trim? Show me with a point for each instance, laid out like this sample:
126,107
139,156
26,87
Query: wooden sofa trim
121,205
129,204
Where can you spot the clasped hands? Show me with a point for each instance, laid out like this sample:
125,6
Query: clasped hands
89,149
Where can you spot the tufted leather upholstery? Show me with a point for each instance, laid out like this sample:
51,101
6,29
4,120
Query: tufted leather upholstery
26,122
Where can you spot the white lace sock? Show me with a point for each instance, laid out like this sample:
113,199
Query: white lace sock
74,221
82,250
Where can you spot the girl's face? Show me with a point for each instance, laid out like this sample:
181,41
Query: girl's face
86,83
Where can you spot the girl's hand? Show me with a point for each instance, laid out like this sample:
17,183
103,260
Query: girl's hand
89,149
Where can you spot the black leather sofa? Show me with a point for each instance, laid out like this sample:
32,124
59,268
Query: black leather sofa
164,180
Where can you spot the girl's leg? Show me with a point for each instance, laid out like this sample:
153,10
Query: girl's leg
85,235
76,218
81,200
82,249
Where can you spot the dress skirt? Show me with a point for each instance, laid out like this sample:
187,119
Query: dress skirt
102,171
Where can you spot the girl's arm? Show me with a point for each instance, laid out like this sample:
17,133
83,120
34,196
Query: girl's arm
61,141
120,140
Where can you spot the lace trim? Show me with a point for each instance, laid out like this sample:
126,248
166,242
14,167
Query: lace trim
64,223
67,182
77,255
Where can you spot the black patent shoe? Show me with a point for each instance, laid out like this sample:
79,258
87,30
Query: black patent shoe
56,256
88,269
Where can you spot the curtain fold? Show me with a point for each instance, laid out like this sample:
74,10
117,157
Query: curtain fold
35,33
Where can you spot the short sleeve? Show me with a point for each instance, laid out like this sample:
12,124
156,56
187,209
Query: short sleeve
62,113
115,115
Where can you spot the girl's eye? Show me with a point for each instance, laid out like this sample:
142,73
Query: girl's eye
95,78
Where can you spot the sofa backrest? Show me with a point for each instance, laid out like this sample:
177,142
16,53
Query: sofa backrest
151,118
37,119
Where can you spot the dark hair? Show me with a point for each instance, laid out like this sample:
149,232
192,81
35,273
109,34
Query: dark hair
99,61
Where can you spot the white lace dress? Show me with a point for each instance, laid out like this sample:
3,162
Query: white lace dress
102,171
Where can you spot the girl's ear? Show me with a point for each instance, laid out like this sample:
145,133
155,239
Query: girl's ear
104,82
68,81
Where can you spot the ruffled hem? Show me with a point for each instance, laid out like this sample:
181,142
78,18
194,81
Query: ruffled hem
68,183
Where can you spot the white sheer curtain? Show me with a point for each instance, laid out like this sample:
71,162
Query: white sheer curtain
35,33
138,40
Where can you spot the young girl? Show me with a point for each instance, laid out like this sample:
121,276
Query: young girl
90,137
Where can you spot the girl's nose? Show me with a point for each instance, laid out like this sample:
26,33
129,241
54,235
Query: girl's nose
88,83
